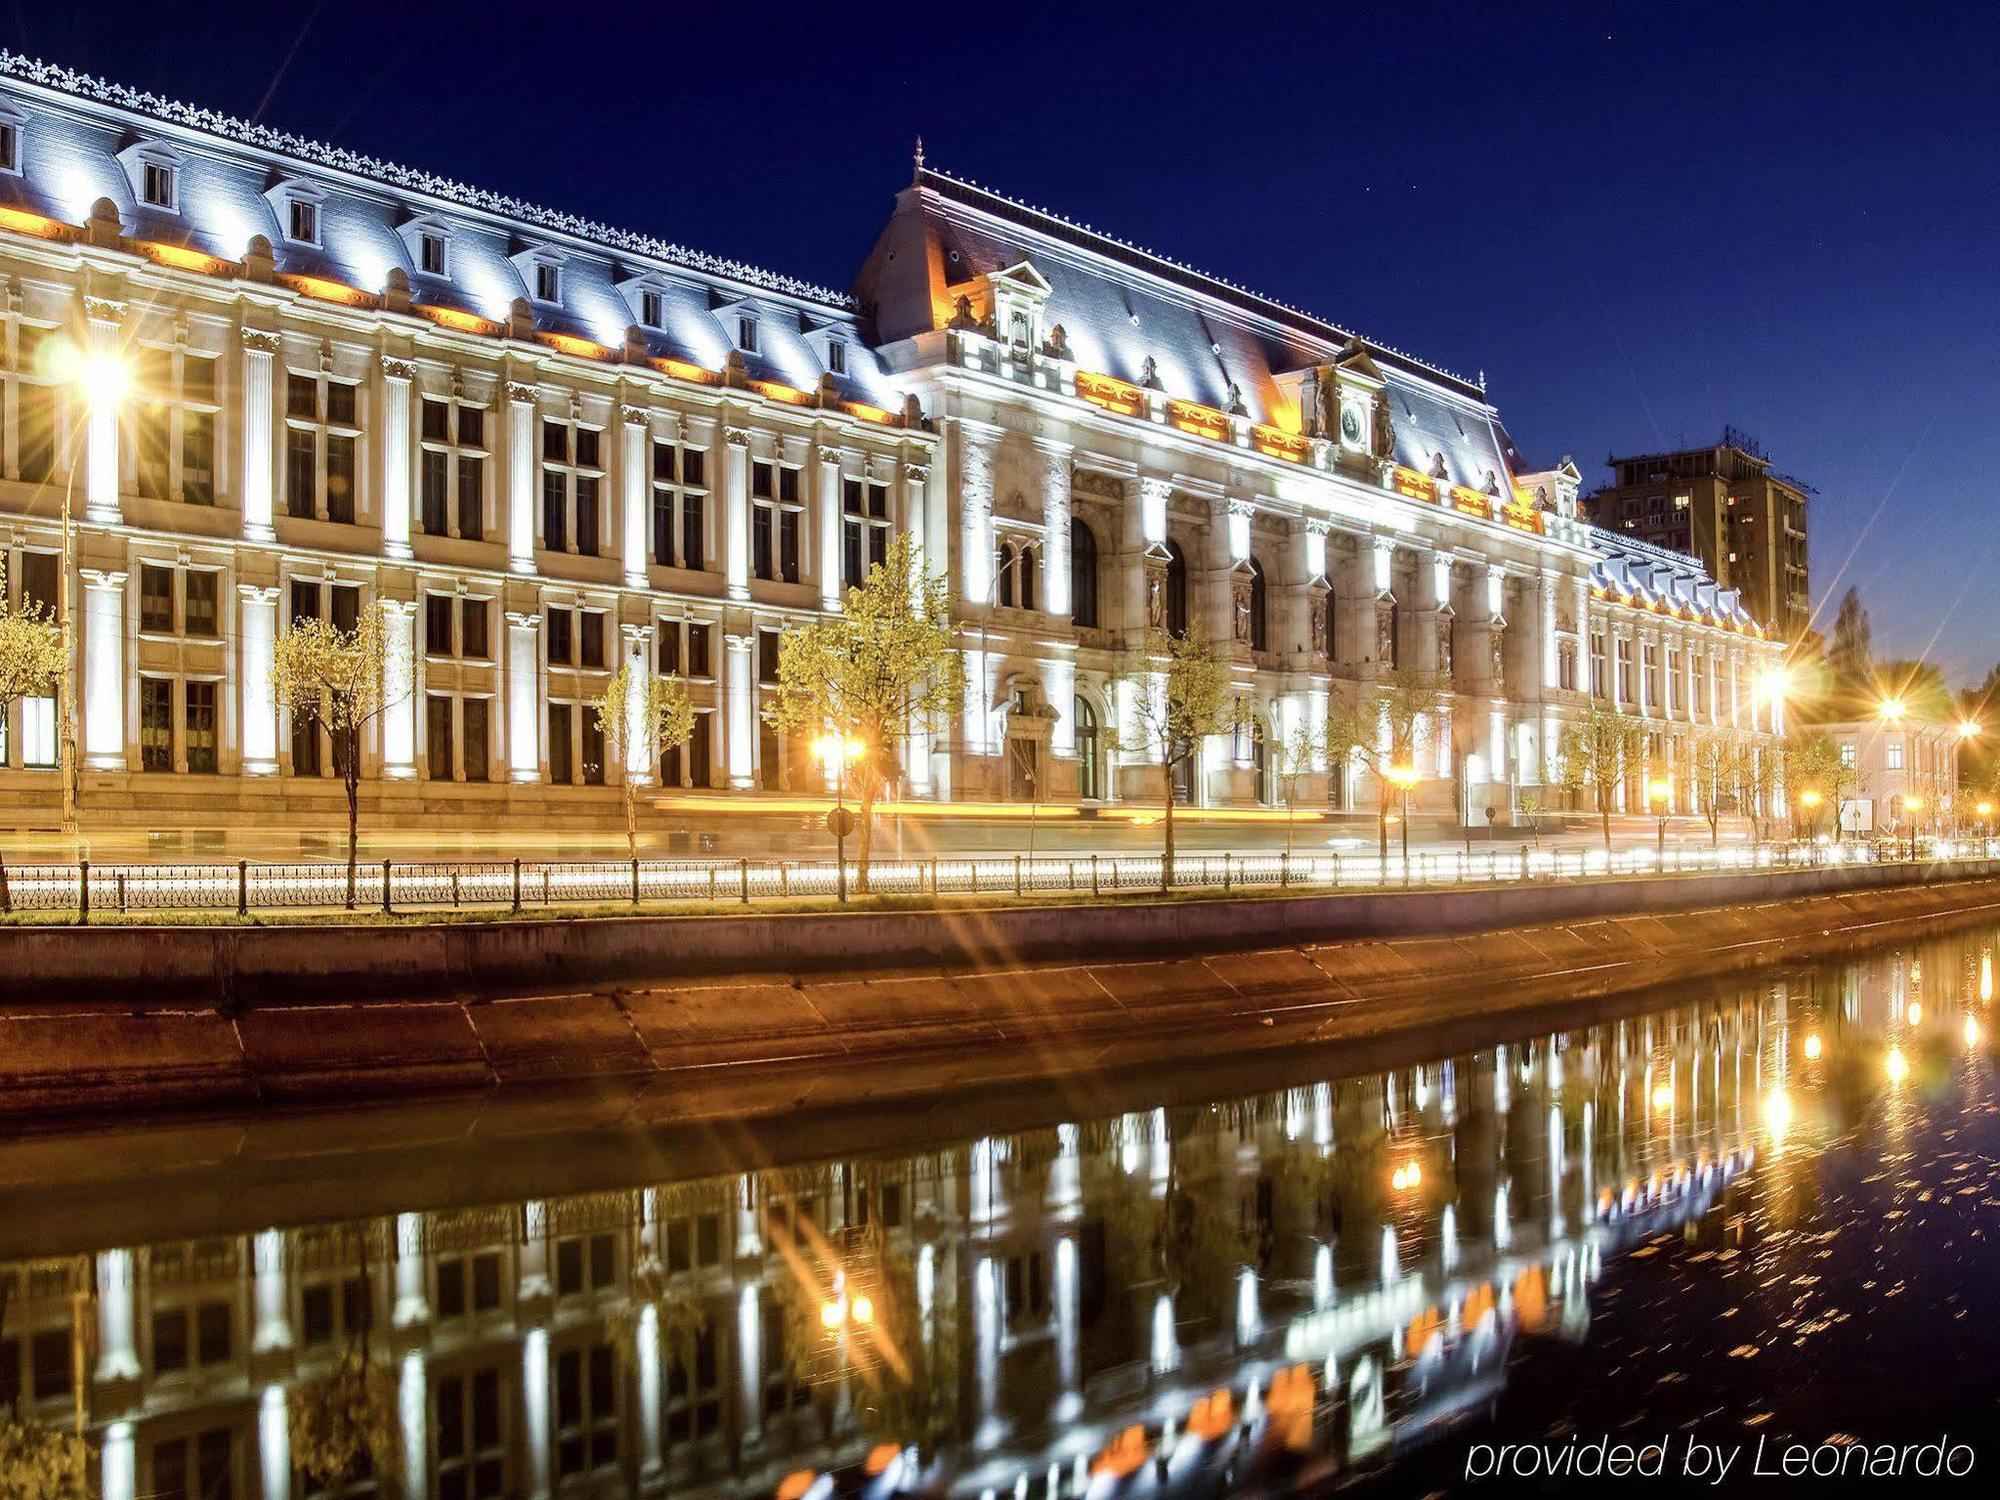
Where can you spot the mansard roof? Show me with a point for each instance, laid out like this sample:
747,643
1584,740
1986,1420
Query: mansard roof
1120,306
77,124
1657,578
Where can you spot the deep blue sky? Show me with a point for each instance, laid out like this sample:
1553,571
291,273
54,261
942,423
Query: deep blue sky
1641,221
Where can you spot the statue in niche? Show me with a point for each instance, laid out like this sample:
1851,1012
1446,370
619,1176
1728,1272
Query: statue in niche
1499,658
1236,407
1444,646
1437,464
1240,625
1058,345
1149,374
1156,597
1326,391
1317,624
1385,427
1385,632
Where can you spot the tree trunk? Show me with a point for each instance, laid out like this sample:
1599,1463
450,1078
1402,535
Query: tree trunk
1714,828
1167,858
1604,816
864,840
631,818
351,775
1382,824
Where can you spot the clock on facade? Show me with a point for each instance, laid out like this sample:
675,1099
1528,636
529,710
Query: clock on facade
1350,424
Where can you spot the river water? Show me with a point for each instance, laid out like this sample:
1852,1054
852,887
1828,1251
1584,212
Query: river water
1747,1226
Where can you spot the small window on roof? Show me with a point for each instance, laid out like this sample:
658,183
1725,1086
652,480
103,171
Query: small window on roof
159,184
652,310
836,357
302,221
431,253
746,334
548,281
10,146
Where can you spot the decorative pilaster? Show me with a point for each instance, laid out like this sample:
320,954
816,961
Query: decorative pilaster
826,494
975,545
736,513
103,670
260,415
100,474
1055,463
396,458
632,461
741,708
641,755
399,689
916,518
256,648
521,403
524,698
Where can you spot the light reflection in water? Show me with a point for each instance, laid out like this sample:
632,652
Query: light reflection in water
1046,1307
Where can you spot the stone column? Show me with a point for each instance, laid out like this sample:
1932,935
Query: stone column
103,670
399,688
637,481
975,540
396,458
826,495
915,517
524,697
737,690
1055,465
521,403
256,646
260,415
641,755
100,473
736,512
117,1335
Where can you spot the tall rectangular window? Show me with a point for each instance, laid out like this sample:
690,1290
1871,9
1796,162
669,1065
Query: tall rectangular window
172,423
864,510
437,736
679,493
156,724
572,481
199,720
322,431
473,739
700,749
561,749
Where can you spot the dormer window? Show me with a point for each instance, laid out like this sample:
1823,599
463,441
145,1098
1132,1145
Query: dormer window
548,282
652,310
746,334
431,253
159,185
302,224
836,358
297,205
11,121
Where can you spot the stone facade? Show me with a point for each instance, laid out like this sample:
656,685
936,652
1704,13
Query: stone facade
543,446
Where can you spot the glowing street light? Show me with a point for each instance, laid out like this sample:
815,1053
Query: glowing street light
1814,1046
102,379
1969,729
1896,1065
837,750
1657,792
1410,1174
1403,778
1891,711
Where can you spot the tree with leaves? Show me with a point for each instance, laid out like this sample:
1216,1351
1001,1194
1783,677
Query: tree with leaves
1849,655
1382,730
882,670
346,1425
641,714
1180,696
32,658
341,681
1598,752
1812,763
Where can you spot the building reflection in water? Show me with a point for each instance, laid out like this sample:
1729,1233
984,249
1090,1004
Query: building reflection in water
1280,1286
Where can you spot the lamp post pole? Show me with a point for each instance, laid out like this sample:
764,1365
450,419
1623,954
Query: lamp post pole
840,823
66,683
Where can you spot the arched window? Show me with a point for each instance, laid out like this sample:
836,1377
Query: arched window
1082,574
1260,630
1003,574
1025,563
1177,590
1089,752
1260,764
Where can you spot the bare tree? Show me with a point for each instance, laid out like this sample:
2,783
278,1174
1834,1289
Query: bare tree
1599,751
1382,731
1180,696
641,714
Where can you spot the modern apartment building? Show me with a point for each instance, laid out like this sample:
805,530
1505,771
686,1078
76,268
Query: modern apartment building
1726,507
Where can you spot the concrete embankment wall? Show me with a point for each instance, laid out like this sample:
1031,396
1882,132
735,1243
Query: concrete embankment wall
697,1015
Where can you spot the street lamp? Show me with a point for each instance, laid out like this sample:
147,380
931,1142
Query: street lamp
101,379
1657,791
1912,805
1891,711
1809,799
836,750
1403,778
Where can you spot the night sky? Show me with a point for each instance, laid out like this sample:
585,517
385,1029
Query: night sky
1641,221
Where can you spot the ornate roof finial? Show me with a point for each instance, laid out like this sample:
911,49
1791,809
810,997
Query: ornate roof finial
920,159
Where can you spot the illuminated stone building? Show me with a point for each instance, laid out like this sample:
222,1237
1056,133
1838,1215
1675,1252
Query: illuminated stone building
543,447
